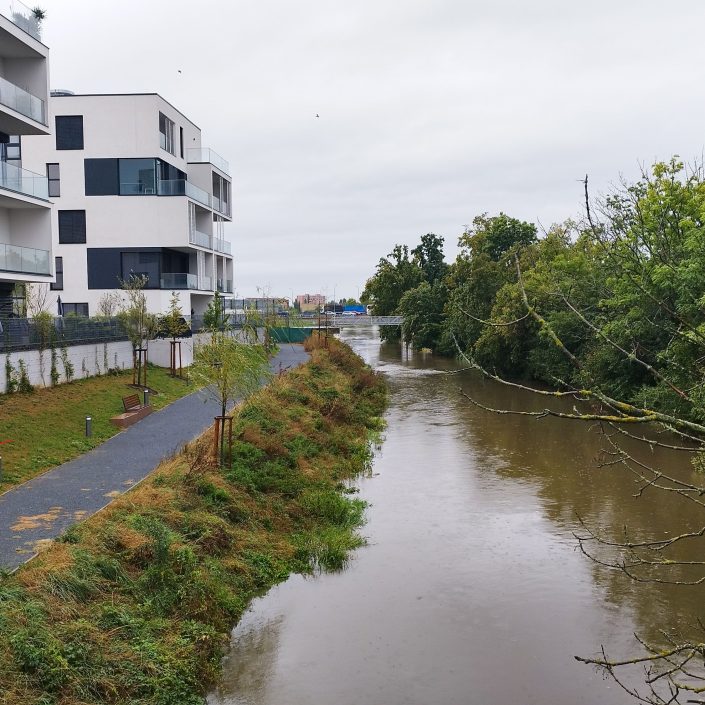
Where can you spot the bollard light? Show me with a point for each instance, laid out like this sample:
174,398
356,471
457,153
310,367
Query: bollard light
146,397
89,426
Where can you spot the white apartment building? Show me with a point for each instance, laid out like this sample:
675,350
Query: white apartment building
134,193
25,211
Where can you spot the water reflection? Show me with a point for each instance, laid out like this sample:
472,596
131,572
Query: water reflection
471,590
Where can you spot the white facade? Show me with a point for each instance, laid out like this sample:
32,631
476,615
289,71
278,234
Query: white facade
25,216
134,193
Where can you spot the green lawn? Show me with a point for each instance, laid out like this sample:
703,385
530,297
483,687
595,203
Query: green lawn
47,428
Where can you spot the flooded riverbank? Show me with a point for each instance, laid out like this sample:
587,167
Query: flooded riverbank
471,589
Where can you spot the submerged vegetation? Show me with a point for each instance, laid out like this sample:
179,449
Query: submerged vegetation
135,605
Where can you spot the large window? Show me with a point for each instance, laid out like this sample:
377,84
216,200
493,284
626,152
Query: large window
72,227
101,177
75,309
58,285
69,131
137,177
166,133
141,264
54,178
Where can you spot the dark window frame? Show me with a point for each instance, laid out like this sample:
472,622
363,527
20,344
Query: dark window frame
166,138
58,285
67,129
72,227
75,308
54,181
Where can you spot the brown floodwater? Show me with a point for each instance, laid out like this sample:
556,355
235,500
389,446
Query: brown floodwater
470,590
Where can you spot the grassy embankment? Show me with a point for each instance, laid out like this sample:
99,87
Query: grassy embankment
47,427
136,604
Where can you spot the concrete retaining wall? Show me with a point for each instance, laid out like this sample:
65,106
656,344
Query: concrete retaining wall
90,360
87,360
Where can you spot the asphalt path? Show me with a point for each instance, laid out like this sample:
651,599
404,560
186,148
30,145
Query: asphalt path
43,508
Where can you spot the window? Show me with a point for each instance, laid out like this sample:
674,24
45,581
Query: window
69,131
10,148
75,309
166,133
101,176
58,285
181,141
138,177
142,264
72,227
53,175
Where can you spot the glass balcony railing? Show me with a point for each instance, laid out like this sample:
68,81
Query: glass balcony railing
181,187
203,155
205,283
26,260
21,15
221,245
225,286
178,280
14,97
27,182
221,206
196,237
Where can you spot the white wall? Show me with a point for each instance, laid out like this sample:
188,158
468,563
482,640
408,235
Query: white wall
88,360
118,126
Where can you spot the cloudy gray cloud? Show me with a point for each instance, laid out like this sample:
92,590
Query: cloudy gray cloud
431,112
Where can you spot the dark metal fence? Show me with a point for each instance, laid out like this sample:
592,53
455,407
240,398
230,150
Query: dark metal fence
24,334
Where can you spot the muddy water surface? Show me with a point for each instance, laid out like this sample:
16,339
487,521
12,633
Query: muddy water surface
471,590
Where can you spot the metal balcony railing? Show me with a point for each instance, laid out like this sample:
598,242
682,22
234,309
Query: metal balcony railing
25,260
204,155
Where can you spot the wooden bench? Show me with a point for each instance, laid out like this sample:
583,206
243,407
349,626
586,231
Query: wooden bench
134,411
132,402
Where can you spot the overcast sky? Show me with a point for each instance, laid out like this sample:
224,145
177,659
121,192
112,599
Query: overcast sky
430,112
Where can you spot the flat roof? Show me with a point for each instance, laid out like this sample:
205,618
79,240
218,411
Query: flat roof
130,95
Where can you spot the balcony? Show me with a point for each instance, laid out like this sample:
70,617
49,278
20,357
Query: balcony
178,280
220,245
196,237
221,206
203,155
14,97
21,15
181,187
225,286
25,260
22,181
205,283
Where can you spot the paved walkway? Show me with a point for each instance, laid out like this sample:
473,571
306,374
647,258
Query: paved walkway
42,508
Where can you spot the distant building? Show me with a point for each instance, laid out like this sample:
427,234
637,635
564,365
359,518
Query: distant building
25,210
310,302
261,304
134,193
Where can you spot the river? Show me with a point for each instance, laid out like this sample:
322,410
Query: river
470,590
